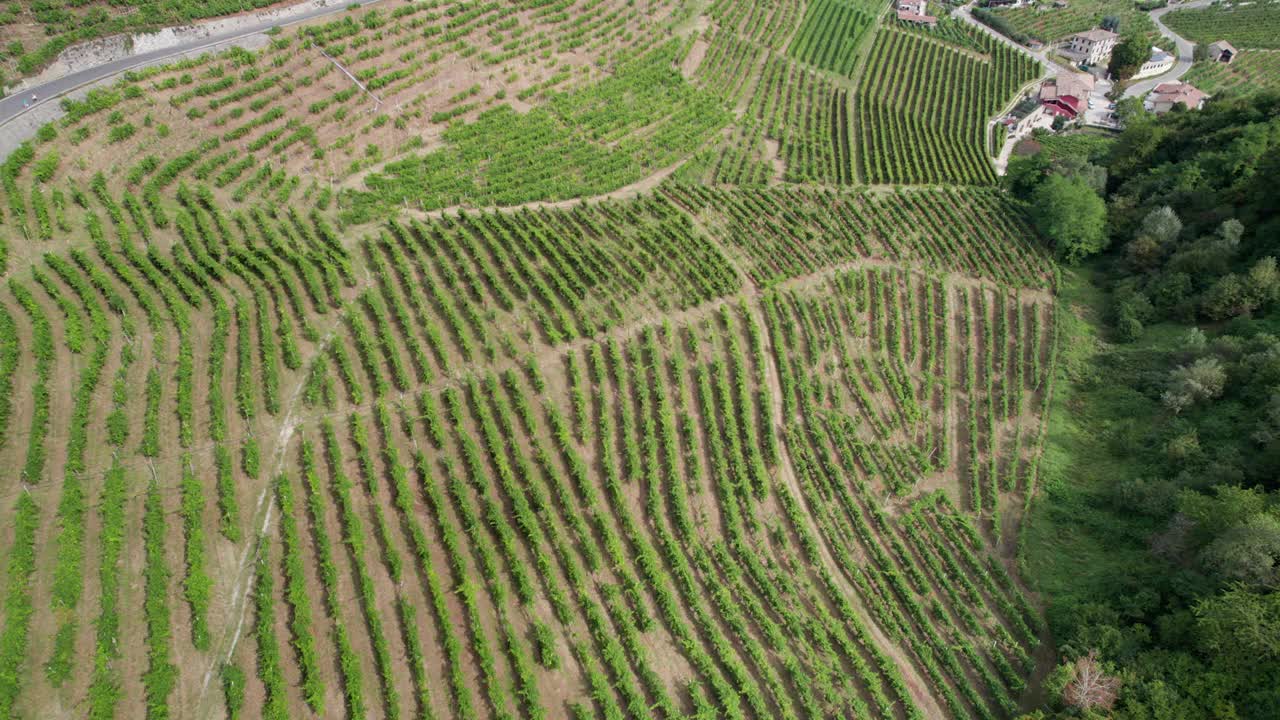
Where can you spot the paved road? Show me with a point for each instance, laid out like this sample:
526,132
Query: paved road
1185,50
12,107
964,13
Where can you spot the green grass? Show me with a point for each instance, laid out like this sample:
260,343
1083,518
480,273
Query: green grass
1074,546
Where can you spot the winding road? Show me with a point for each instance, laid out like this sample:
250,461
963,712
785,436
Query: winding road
20,102
1185,50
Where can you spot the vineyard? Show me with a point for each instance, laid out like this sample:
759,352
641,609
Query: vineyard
923,107
1245,25
1049,24
829,36
1253,71
559,368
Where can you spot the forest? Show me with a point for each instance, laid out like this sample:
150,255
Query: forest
1157,540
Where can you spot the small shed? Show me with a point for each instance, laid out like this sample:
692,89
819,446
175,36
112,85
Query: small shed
1222,51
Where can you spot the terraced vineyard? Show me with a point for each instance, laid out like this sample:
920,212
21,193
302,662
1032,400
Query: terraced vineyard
1253,71
829,36
923,109
1049,24
409,399
1251,30
1251,25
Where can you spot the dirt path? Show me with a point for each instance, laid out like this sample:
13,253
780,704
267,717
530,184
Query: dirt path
264,506
786,472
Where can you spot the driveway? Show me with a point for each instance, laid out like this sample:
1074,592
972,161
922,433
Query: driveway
1185,50
15,105
1098,114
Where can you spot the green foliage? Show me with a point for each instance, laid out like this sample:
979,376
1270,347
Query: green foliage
161,675
105,689
1069,213
232,689
1128,55
45,167
197,586
19,567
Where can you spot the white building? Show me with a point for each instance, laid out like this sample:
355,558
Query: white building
1092,47
1159,64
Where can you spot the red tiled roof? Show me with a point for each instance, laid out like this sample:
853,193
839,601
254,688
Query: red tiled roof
1179,92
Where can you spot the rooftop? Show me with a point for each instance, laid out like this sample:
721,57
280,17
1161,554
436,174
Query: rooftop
1077,85
1179,92
1097,35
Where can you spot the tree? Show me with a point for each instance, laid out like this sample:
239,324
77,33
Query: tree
1073,166
1071,215
1127,56
1025,172
1162,224
1263,282
1202,380
1248,554
1110,22
1230,232
1234,295
1090,688
1242,623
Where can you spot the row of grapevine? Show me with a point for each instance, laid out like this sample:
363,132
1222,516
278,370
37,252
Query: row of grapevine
783,233
830,35
809,117
923,106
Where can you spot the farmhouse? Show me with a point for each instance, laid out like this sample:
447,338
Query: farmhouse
1067,95
1169,95
1092,47
1223,52
1159,63
916,12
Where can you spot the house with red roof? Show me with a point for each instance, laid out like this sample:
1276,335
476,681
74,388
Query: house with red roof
1067,95
1169,95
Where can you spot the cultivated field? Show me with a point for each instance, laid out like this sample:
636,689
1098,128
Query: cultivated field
1252,25
461,361
1047,24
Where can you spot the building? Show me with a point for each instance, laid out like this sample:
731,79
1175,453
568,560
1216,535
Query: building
1159,64
1025,116
1067,95
916,12
1166,96
1092,47
1222,51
